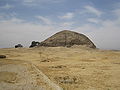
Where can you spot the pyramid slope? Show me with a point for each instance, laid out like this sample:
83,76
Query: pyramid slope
67,38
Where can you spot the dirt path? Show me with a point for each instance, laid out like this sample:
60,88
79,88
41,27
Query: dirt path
25,79
46,79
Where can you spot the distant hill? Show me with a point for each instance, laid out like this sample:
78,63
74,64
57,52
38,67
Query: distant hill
67,38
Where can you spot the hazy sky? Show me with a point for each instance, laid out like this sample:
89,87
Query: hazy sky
22,21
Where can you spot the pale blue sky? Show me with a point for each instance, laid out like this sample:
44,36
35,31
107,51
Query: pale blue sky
22,21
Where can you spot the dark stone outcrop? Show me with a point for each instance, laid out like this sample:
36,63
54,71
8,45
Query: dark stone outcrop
2,56
33,44
67,38
18,46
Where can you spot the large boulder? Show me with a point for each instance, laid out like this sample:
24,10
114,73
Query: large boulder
67,38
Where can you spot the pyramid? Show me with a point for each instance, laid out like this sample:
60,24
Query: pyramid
67,38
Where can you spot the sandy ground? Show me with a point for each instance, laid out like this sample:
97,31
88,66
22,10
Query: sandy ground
59,68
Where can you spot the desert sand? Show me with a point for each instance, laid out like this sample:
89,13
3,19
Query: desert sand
59,68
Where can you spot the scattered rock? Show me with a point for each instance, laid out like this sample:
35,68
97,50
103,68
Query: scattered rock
2,56
83,67
66,80
45,61
59,66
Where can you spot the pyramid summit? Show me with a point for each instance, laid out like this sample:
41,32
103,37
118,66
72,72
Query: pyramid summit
67,38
